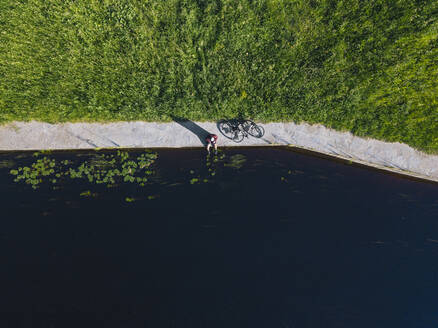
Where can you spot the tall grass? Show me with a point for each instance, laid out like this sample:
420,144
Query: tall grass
367,66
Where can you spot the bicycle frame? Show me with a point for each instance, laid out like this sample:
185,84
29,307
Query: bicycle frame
238,126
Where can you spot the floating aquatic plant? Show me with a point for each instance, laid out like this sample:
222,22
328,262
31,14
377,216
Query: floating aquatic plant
100,169
236,161
211,164
88,193
6,164
42,152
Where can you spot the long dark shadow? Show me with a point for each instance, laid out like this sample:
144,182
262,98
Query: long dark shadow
193,127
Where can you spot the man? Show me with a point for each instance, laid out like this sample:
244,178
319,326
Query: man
211,141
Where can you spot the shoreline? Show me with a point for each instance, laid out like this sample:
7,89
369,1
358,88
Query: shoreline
394,157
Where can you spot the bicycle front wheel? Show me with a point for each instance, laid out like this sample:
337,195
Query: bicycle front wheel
253,129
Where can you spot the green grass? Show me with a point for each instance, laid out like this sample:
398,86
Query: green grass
367,66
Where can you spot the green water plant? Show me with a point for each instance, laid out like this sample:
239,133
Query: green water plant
211,163
6,164
88,193
42,152
194,180
107,169
236,161
36,173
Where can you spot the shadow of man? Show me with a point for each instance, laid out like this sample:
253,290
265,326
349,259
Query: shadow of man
192,127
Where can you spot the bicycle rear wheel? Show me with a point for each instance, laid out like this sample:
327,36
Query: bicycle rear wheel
238,136
231,131
227,129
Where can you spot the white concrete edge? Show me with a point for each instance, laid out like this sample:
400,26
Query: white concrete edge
369,164
395,157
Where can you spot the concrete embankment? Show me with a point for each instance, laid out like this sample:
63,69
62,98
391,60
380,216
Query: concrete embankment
395,157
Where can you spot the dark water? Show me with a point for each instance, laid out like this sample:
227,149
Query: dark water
274,239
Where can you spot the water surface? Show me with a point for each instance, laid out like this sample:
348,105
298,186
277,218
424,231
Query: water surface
274,238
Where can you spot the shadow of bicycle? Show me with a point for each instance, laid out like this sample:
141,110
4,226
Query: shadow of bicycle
238,129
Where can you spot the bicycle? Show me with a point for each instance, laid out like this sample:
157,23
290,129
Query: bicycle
238,129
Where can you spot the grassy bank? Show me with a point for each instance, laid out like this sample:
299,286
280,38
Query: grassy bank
370,67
